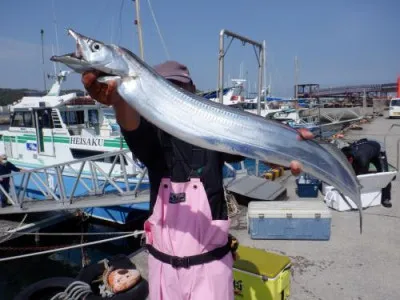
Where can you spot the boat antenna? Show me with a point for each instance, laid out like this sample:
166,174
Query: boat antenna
138,23
44,75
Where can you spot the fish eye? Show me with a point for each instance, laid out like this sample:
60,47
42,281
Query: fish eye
96,46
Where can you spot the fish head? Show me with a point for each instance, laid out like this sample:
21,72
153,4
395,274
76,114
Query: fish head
91,54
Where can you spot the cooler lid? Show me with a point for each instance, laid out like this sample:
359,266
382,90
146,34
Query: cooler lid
260,262
295,209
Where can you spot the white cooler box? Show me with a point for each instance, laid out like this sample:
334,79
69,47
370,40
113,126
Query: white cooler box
370,192
289,220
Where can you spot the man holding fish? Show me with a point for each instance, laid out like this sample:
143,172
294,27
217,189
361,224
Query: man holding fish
184,140
187,198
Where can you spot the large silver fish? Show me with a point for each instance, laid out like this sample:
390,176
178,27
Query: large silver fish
208,124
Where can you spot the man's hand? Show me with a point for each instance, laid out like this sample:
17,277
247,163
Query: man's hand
295,166
106,93
101,92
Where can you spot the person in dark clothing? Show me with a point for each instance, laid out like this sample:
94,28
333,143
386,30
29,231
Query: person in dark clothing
364,152
187,232
6,167
167,156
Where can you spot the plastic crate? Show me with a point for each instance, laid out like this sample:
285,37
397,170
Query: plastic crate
309,187
259,274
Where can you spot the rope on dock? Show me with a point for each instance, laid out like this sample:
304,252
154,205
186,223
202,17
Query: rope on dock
5,239
136,233
66,233
75,291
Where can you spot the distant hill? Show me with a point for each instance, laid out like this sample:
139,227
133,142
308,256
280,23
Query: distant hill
8,96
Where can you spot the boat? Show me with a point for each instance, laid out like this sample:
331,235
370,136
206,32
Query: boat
52,129
232,96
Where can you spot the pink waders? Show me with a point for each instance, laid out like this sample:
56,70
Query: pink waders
186,228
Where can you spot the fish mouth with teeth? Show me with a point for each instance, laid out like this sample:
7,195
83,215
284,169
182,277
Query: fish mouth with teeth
87,55
75,60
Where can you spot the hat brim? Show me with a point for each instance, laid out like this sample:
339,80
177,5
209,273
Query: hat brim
179,78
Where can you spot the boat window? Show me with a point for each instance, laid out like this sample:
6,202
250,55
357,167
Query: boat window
22,119
45,120
83,153
252,105
18,119
93,115
28,120
73,117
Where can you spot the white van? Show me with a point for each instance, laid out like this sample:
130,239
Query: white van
394,108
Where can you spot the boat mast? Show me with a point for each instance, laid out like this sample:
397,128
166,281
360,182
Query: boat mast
269,85
44,75
56,31
265,71
138,23
296,76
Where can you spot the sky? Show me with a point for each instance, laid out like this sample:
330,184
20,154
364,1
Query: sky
340,42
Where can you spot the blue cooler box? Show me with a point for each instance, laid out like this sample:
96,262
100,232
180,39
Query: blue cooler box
307,186
289,220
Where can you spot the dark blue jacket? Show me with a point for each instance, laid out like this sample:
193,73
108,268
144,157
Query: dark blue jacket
6,168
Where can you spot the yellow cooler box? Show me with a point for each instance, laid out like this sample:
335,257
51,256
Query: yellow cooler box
259,274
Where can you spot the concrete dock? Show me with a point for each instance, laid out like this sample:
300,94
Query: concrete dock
350,265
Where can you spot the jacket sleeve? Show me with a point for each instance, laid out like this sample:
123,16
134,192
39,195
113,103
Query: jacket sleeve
144,143
13,167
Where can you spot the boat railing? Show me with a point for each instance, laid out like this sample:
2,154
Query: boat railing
70,182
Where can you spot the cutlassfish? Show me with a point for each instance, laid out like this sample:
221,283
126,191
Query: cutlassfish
209,124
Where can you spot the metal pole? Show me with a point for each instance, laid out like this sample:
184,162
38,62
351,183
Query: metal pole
44,75
139,26
240,37
56,30
260,83
221,56
319,118
365,102
265,71
221,66
296,77
260,78
261,53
